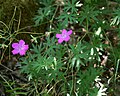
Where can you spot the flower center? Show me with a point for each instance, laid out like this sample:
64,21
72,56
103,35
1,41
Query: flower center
20,48
64,35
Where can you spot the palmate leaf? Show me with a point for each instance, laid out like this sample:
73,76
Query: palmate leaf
88,13
80,53
42,63
38,68
40,17
38,49
67,18
70,6
87,80
50,46
116,19
44,12
78,49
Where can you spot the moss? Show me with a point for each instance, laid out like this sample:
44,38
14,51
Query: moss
24,8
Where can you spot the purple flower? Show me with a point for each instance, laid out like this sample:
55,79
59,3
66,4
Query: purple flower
64,36
20,48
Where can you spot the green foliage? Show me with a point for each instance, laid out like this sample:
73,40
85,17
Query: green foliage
42,63
88,13
70,68
116,19
46,3
47,66
69,14
90,1
70,6
45,12
79,55
41,15
86,81
13,91
67,18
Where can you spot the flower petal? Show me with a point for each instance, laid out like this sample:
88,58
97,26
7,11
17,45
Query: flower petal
58,35
21,42
22,52
64,31
60,40
26,47
69,32
15,51
67,38
15,45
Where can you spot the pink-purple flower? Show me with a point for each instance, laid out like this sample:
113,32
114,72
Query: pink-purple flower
20,48
65,36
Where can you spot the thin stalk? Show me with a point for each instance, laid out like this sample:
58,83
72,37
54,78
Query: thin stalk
111,47
87,30
11,22
7,83
4,25
19,21
72,88
36,88
53,18
118,61
6,67
54,14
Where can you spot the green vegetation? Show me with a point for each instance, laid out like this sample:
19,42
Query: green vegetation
74,47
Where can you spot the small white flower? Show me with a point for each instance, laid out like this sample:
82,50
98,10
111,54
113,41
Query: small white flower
68,94
99,85
102,90
78,4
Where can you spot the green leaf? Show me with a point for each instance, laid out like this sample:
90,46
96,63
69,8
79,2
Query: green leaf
87,80
67,18
42,14
116,19
70,6
45,12
88,13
